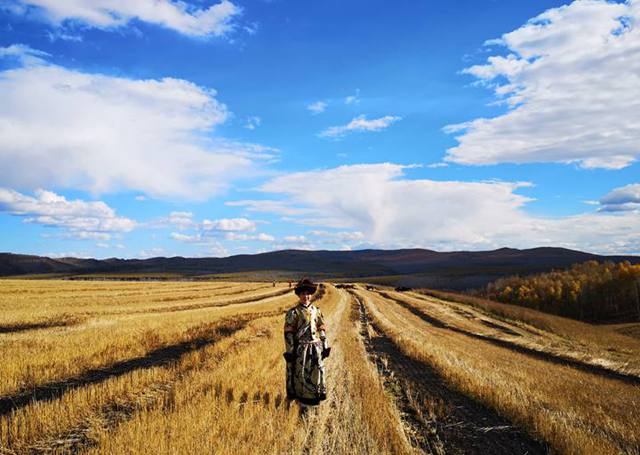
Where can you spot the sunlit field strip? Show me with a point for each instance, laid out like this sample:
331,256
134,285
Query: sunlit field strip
47,316
238,406
16,306
611,356
52,355
72,289
574,411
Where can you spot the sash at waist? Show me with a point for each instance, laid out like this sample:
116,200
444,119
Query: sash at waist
310,342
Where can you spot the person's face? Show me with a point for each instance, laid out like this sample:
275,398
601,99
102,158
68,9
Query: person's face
304,297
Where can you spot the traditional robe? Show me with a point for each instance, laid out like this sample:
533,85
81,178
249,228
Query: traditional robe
305,338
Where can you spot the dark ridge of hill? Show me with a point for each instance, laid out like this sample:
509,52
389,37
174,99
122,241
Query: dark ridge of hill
483,265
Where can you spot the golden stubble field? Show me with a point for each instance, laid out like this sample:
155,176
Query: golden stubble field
197,367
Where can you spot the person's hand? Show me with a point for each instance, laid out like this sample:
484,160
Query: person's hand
288,356
326,352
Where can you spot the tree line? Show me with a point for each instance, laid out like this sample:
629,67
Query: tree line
589,291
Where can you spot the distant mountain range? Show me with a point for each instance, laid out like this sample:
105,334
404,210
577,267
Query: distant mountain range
454,270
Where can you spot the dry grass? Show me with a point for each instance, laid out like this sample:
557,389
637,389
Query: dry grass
598,337
183,367
224,396
573,410
631,329
114,332
240,405
588,349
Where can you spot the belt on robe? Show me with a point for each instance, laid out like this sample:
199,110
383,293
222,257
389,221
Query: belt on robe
310,342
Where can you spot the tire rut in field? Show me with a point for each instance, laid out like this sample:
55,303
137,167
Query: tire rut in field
160,356
541,355
317,417
445,420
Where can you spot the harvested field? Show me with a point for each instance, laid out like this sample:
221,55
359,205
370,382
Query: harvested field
187,367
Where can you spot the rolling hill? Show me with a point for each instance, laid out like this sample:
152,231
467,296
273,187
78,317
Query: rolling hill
454,270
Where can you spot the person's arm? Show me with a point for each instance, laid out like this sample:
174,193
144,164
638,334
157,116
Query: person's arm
289,334
322,332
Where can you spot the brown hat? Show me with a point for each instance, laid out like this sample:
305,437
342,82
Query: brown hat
305,284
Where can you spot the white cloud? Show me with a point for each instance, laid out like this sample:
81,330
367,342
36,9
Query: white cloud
392,211
23,53
210,232
151,253
295,239
197,238
229,224
570,81
358,124
318,107
353,99
183,220
86,235
79,220
64,128
340,237
262,237
253,122
69,254
621,199
217,20
268,206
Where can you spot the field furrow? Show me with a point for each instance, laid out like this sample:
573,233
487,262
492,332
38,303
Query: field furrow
423,313
445,421
563,406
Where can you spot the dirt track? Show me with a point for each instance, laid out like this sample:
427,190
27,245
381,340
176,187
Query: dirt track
444,420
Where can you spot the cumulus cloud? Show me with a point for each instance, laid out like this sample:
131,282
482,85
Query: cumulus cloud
317,107
229,224
570,82
181,220
621,199
65,128
217,20
209,233
80,220
262,237
360,124
392,211
253,122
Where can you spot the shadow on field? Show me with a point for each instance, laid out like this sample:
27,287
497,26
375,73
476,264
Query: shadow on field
588,367
160,356
16,328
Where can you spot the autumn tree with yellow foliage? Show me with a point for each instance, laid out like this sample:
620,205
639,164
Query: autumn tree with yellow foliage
589,291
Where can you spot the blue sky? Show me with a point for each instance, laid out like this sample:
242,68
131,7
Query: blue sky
216,128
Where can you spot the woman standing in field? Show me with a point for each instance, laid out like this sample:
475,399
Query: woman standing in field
306,347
